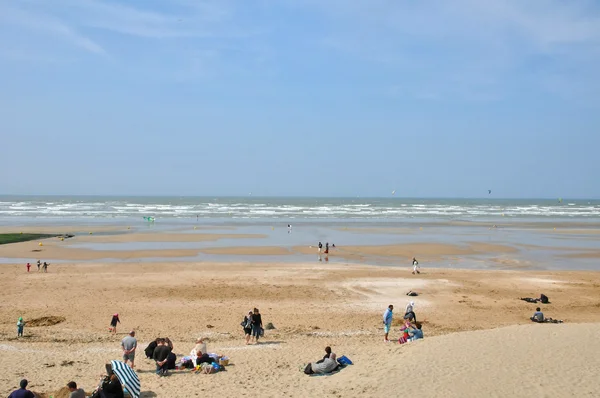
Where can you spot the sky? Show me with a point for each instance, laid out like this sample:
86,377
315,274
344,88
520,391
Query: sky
431,98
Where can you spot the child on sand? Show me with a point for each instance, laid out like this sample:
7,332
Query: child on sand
20,326
113,323
28,266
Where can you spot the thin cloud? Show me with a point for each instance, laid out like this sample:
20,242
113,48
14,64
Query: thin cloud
48,25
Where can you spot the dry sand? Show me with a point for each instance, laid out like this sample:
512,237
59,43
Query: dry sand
311,306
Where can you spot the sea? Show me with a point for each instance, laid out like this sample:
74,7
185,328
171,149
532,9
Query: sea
542,231
15,209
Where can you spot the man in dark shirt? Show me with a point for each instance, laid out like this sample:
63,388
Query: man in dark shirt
161,353
22,392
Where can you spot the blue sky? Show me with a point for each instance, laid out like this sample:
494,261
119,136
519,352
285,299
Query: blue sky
300,97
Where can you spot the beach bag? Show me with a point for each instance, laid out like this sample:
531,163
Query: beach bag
544,299
344,360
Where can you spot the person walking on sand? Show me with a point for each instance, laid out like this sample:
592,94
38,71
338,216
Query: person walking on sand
387,322
256,325
113,323
20,326
28,266
247,325
129,344
320,247
45,266
409,313
416,266
39,263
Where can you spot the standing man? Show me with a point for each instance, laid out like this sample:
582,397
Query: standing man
320,247
256,325
387,322
129,344
39,263
45,266
161,353
22,392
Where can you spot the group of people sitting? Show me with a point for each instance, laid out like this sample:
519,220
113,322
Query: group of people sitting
410,329
161,351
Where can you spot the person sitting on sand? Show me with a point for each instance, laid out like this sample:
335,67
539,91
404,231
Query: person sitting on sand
75,392
326,365
111,387
113,323
200,347
22,392
416,333
538,315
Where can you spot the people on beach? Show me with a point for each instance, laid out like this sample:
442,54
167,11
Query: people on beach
387,322
320,247
111,387
326,247
323,366
247,326
22,392
289,228
149,351
416,266
200,347
75,392
45,266
113,323
129,345
409,313
538,317
39,264
257,325
20,326
160,356
28,267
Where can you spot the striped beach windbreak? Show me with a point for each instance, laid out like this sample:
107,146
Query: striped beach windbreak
128,378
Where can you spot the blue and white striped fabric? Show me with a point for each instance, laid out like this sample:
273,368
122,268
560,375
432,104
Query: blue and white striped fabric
128,378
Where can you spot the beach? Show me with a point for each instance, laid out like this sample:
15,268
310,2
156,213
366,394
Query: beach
465,313
185,278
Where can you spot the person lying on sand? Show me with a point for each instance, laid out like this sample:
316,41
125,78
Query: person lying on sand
326,365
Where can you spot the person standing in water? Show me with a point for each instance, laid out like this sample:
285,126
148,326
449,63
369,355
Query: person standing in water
416,266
